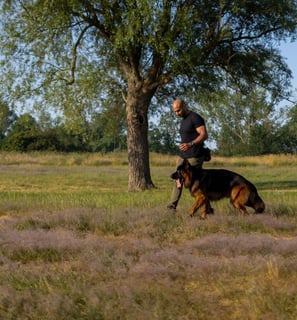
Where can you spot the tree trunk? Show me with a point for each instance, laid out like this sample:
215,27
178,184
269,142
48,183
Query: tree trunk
138,101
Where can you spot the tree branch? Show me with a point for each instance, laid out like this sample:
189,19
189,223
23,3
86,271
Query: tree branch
92,19
74,55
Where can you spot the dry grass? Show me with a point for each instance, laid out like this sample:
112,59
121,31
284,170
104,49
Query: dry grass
267,160
146,264
75,245
120,158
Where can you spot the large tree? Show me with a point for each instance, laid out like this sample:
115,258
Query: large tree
141,46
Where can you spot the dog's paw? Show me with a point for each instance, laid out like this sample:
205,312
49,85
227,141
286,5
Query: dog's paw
210,211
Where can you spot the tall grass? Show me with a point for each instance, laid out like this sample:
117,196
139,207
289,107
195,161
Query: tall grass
120,158
75,245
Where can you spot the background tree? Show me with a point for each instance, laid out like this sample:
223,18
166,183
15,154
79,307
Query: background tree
23,134
7,118
242,124
164,133
108,129
141,46
286,135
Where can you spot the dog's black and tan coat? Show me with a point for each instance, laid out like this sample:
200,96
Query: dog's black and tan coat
213,184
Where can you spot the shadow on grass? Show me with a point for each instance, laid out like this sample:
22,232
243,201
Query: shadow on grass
283,185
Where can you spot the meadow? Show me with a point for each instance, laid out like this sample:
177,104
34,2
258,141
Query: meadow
74,244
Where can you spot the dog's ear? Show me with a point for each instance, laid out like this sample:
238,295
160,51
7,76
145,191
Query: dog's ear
186,164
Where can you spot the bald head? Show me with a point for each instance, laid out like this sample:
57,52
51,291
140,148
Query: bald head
180,108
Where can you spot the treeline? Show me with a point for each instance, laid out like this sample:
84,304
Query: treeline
25,133
106,132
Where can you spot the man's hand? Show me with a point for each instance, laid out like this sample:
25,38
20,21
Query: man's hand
185,146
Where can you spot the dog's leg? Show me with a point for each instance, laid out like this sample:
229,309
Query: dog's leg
239,196
206,208
209,209
241,208
201,201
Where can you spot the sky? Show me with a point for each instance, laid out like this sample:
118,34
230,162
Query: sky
289,52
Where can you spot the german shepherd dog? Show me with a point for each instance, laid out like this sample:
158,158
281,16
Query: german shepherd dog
214,184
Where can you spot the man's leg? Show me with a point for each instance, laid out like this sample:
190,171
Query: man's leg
196,162
177,189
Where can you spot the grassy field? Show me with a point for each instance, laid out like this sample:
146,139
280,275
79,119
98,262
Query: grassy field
74,244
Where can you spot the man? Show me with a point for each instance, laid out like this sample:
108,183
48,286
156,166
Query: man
193,133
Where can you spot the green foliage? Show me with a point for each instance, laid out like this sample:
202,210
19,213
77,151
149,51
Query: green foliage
191,44
250,130
286,136
104,133
22,134
107,129
247,124
163,134
7,118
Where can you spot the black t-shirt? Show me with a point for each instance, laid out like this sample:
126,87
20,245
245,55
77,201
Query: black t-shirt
188,133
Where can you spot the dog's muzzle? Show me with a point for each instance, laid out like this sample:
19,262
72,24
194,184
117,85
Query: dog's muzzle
177,176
